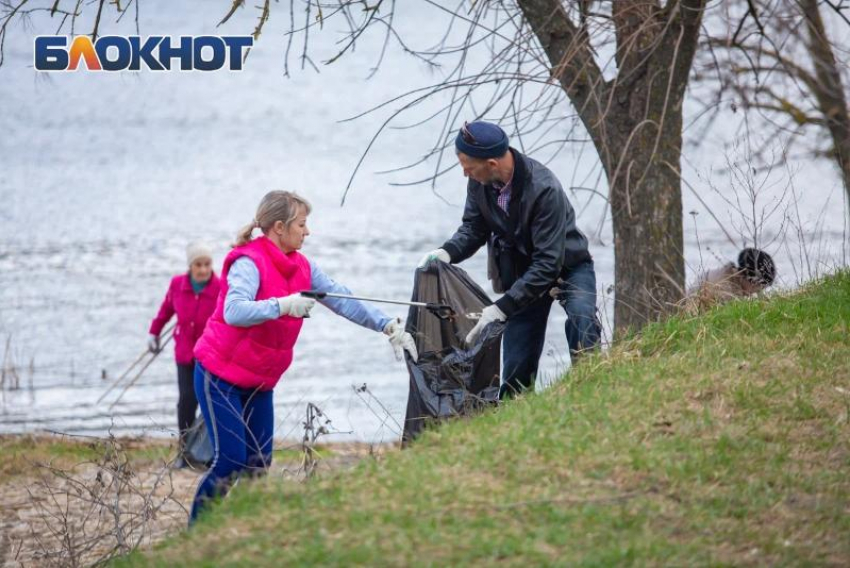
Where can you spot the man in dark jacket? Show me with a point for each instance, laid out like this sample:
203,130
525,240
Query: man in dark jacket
518,208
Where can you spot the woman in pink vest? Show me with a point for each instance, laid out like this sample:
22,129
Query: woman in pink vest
250,338
192,296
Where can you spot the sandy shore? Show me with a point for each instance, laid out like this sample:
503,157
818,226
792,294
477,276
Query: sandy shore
67,501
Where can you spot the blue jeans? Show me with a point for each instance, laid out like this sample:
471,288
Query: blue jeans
240,423
525,332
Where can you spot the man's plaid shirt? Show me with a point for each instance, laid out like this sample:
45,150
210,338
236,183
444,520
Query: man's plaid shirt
504,197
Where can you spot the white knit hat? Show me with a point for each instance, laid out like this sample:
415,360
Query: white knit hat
197,250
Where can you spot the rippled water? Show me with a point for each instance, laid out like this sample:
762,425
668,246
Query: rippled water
105,178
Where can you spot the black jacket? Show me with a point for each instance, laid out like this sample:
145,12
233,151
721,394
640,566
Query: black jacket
531,245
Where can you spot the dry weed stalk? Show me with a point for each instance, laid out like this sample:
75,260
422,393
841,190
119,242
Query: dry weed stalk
9,376
315,426
387,416
98,509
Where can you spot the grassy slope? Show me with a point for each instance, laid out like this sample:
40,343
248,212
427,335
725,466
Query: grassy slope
711,440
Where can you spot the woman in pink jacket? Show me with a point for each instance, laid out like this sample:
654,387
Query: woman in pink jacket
249,341
192,296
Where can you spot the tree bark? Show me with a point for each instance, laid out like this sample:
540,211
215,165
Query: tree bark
635,122
828,88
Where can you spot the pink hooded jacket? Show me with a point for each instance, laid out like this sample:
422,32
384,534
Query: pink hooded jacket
256,356
193,311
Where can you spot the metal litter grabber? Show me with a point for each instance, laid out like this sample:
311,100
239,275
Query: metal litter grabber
140,372
442,311
166,337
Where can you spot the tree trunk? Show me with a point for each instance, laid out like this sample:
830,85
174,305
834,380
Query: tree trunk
828,89
841,147
635,122
842,155
646,205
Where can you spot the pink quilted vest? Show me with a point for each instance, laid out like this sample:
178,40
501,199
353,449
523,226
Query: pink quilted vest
256,356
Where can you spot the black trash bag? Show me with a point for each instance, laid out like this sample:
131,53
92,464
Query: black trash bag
450,378
198,452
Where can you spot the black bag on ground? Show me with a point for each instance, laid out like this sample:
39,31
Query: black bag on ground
449,379
199,450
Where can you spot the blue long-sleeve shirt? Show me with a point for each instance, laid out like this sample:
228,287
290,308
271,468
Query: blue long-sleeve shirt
241,308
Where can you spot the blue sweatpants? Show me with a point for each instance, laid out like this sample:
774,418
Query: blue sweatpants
240,423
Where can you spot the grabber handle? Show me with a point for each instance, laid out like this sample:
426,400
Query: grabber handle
313,294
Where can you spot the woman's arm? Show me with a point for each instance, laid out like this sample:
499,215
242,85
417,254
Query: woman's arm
166,312
352,310
240,307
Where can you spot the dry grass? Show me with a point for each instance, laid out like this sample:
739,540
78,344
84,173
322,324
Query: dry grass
78,501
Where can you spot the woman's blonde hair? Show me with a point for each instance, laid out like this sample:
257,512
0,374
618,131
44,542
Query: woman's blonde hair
275,206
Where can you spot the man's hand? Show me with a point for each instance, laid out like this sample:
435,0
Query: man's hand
401,340
153,343
438,254
295,305
489,315
557,293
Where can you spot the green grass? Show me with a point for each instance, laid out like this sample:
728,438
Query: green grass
23,455
292,453
712,440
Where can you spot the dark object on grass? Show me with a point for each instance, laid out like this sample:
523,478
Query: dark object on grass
757,266
449,379
198,453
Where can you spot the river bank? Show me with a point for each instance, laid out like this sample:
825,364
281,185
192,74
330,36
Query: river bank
76,500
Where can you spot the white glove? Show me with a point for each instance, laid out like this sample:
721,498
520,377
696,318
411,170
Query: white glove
153,343
401,340
438,254
489,315
295,305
